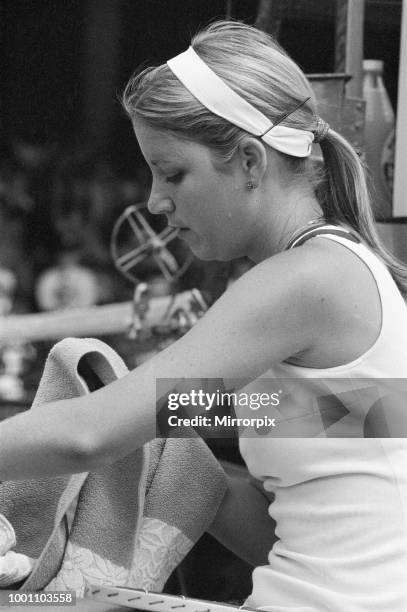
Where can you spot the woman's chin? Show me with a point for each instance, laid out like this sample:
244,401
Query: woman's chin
208,254
202,249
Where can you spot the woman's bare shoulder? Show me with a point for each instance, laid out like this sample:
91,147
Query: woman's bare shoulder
320,268
293,273
325,290
350,316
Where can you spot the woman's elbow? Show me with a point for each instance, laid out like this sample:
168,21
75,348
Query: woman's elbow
86,452
84,442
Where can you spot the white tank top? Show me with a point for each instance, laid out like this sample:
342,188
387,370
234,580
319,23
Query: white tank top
340,502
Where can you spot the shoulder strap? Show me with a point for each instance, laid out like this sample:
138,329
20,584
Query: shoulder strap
320,229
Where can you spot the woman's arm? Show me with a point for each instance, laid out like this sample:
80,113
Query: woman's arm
269,314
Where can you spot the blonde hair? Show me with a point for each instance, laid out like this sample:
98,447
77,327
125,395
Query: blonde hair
261,72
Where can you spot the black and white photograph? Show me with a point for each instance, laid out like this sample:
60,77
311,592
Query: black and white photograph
203,305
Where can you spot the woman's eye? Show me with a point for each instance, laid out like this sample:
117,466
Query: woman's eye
175,178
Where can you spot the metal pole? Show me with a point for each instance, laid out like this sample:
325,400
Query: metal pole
349,43
400,178
264,20
341,30
228,9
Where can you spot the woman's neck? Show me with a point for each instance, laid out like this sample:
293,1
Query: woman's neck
281,220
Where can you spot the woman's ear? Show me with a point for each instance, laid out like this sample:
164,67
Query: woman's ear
253,158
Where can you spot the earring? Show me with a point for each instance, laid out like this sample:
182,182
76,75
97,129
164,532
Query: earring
250,185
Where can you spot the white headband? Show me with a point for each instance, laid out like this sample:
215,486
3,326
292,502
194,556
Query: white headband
221,100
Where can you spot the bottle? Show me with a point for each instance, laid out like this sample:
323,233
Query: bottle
379,137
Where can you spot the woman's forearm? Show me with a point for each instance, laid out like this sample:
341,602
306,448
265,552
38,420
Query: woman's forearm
79,434
242,523
43,442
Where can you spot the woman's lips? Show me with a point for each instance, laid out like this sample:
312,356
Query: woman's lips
181,231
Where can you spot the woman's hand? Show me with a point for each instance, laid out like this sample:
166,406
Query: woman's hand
14,567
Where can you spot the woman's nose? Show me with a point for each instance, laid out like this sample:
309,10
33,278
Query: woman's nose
158,204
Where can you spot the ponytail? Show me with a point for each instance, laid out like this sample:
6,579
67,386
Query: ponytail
344,197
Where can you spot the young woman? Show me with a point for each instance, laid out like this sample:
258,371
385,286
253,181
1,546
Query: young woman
227,129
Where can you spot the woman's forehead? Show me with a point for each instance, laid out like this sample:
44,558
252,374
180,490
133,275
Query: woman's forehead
162,146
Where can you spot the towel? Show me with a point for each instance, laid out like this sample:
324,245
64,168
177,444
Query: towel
13,566
128,524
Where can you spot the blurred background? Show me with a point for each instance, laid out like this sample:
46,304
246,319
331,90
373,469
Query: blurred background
70,166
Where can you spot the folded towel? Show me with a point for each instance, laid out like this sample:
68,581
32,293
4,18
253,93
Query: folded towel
132,522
